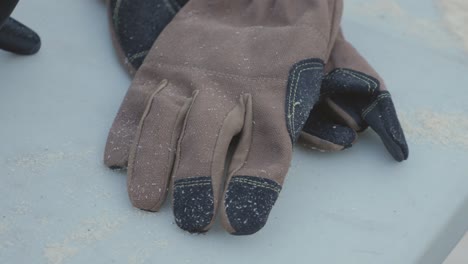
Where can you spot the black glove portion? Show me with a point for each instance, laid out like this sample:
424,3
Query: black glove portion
136,24
14,36
353,98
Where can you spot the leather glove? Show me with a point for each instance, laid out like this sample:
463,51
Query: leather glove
14,36
353,97
247,68
333,123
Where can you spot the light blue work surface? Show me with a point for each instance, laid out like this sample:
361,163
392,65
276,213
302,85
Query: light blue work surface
60,204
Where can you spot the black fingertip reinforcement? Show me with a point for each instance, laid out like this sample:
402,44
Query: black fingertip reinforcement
18,38
248,202
303,91
382,117
193,203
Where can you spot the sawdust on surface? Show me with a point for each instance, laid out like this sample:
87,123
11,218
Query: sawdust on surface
438,128
57,253
88,232
455,16
94,229
144,254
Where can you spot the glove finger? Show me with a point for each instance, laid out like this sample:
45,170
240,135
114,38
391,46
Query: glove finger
201,156
19,39
378,113
257,171
322,133
358,96
125,125
135,26
153,152
263,155
382,118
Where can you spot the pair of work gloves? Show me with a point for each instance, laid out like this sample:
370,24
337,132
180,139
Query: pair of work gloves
263,72
14,36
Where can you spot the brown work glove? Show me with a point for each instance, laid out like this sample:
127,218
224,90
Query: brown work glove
353,97
222,68
332,124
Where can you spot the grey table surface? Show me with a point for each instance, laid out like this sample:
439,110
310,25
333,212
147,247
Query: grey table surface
60,204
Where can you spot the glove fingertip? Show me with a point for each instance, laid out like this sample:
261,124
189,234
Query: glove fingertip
398,150
19,39
382,118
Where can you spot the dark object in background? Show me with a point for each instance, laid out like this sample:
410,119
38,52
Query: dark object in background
14,36
136,24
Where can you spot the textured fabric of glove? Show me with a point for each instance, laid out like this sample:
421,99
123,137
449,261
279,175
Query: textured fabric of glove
247,68
17,38
135,24
354,97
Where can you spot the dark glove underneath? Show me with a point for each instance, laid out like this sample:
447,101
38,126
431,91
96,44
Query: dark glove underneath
14,36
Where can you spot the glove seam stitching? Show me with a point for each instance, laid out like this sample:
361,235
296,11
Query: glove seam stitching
182,135
290,91
371,84
247,156
115,17
217,141
190,181
162,85
138,55
191,185
293,106
374,104
257,184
